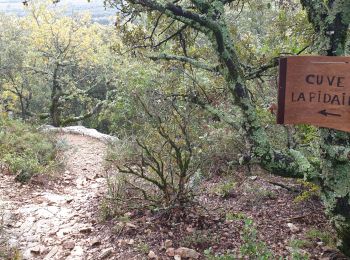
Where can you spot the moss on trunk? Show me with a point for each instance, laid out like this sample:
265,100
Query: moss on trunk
331,22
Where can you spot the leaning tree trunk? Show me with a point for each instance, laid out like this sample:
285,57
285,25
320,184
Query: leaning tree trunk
331,23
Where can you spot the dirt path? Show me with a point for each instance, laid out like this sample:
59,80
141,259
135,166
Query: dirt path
60,221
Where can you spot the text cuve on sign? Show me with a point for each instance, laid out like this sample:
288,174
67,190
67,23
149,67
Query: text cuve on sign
315,90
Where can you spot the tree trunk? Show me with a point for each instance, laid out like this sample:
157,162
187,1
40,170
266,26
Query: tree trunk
55,113
335,182
331,23
23,108
56,93
289,162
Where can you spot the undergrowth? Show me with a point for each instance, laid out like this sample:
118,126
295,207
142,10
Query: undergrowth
25,151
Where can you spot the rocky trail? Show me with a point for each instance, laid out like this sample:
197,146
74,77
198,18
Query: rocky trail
58,220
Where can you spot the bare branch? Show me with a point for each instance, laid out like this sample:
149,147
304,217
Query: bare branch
193,62
171,36
85,116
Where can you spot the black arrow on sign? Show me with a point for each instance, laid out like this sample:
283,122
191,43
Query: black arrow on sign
325,113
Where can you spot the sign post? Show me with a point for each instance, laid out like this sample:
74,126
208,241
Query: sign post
315,90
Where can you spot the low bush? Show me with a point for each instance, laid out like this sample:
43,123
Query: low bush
157,169
25,151
325,236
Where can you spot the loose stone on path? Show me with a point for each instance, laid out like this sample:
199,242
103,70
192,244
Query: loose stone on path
59,222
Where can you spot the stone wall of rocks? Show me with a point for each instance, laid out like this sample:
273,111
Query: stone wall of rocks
80,130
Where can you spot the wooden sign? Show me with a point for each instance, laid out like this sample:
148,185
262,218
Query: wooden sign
315,90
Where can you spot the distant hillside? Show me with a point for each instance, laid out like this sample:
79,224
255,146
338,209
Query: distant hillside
95,7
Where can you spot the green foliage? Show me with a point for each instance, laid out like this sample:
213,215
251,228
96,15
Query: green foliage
55,66
297,243
105,210
296,255
307,134
25,151
324,236
231,216
221,148
224,189
143,248
252,247
199,239
161,166
310,190
296,246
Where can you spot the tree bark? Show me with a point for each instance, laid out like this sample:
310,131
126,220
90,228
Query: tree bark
331,23
56,94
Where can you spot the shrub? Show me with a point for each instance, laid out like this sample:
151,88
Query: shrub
158,168
25,151
222,150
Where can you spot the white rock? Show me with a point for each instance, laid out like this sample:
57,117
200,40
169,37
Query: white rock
130,242
61,233
152,255
293,228
168,243
80,130
187,253
44,213
95,242
12,242
130,225
170,252
37,249
77,251
27,254
52,253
